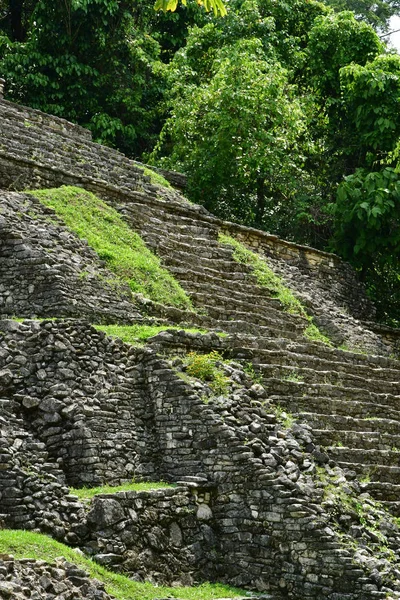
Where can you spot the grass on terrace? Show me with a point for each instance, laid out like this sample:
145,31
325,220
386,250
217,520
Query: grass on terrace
136,334
274,284
25,544
144,486
120,247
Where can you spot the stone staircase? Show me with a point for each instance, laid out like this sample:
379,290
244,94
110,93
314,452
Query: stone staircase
350,399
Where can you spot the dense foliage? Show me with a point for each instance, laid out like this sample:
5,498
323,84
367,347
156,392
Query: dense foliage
284,115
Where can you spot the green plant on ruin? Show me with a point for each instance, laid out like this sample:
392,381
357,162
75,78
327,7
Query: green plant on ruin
155,177
315,335
268,279
285,418
123,251
206,368
138,334
86,493
250,371
293,377
26,544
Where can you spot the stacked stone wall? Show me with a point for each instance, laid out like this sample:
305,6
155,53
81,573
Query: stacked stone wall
258,513
166,535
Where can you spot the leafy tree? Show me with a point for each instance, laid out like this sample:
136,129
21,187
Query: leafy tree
236,136
367,233
375,13
335,41
371,98
85,60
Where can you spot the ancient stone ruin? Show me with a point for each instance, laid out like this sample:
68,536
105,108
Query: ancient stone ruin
287,480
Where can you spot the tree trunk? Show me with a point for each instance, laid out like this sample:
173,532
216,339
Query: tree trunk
17,28
260,208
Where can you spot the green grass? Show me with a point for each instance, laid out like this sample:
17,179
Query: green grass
136,334
24,544
264,275
156,178
315,335
205,367
268,279
144,486
121,248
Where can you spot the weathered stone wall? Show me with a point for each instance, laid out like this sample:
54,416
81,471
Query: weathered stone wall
82,394
105,410
167,536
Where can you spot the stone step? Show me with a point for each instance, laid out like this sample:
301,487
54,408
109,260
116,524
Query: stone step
306,407
322,351
200,263
170,236
259,295
187,230
382,490
172,245
222,315
240,326
364,456
336,378
207,275
323,358
372,471
261,310
392,507
323,395
341,426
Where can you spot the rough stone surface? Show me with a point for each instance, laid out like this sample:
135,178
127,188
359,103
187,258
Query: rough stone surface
36,580
276,477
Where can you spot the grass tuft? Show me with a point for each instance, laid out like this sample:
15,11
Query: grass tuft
206,367
156,178
269,280
26,544
122,249
144,486
137,334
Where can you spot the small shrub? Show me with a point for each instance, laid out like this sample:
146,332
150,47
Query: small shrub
205,368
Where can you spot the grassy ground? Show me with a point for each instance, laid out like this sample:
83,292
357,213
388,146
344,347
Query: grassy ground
24,544
144,486
136,334
268,279
156,177
121,248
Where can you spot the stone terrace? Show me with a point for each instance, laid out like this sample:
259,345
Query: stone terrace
87,409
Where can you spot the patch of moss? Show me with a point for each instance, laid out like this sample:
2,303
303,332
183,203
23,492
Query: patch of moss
122,249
